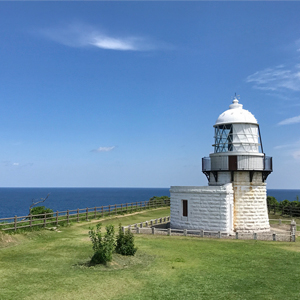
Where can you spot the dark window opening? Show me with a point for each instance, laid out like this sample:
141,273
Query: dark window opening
185,208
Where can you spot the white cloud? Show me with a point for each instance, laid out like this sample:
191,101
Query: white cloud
15,164
279,78
80,35
104,149
288,121
296,154
291,150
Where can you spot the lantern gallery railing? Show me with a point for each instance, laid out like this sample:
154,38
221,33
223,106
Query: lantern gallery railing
237,163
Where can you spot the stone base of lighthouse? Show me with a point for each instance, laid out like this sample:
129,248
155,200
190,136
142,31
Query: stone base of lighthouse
223,206
250,205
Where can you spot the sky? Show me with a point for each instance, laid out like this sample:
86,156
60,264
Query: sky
125,94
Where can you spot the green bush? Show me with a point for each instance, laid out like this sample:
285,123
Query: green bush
272,200
163,200
38,210
103,246
125,242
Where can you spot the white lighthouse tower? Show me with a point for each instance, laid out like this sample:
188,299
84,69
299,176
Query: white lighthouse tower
235,199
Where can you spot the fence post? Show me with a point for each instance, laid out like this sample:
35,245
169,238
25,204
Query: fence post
202,233
146,224
95,215
279,221
153,230
184,232
102,211
255,236
169,231
219,234
30,220
87,214
126,208
77,214
109,209
236,235
131,206
45,219
145,205
141,225
56,217
115,208
129,228
137,230
293,231
121,208
123,229
67,216
16,223
274,236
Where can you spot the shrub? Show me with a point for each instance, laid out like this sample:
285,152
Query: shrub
163,200
272,200
103,246
125,242
38,210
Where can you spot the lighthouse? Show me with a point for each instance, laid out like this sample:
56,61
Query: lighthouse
235,198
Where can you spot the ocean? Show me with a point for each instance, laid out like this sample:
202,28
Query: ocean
16,201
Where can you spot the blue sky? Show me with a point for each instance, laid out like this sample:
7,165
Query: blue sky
125,94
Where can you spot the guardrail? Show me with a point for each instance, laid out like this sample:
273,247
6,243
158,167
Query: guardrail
18,222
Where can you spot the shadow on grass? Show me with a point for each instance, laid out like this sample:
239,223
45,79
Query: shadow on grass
119,262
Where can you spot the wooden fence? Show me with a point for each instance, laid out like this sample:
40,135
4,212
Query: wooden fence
153,227
54,218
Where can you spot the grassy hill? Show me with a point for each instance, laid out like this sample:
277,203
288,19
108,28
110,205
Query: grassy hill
53,265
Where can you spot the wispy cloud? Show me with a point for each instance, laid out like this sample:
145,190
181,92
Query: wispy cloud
18,165
291,150
276,79
288,121
103,149
81,35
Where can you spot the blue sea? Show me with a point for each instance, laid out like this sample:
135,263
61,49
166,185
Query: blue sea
16,201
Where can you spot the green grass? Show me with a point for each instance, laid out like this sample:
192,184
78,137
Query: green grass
52,265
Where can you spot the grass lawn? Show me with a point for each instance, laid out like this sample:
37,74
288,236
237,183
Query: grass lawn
52,265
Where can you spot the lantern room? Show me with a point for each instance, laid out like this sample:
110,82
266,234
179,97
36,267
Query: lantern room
238,145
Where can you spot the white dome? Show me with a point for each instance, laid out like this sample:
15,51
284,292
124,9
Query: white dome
236,114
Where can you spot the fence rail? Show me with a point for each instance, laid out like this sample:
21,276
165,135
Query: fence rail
54,218
150,227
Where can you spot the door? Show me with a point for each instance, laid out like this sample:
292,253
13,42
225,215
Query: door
232,163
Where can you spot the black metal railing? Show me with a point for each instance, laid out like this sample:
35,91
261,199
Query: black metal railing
267,165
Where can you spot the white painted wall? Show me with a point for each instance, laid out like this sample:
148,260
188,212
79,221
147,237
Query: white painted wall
209,207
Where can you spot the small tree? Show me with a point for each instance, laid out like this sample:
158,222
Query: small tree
103,246
39,210
125,242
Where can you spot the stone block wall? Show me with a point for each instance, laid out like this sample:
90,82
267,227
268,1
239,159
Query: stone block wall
250,205
209,207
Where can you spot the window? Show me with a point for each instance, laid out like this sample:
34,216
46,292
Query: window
184,208
223,138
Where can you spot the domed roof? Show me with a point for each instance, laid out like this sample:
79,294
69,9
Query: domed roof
236,114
